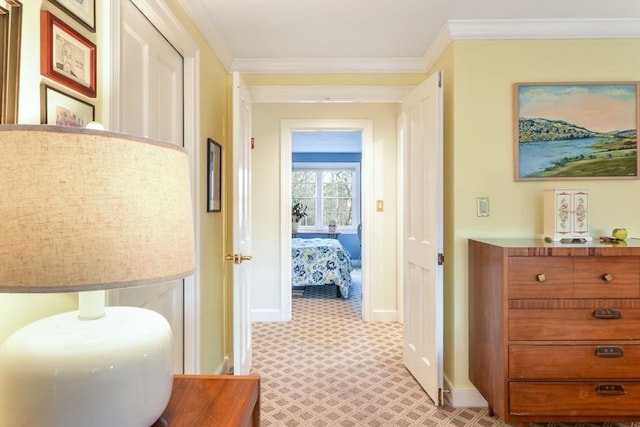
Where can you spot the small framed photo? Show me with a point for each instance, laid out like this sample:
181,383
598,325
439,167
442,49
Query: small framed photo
66,56
83,11
61,109
214,176
576,130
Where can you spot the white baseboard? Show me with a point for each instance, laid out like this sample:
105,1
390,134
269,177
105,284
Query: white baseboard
463,397
384,316
266,315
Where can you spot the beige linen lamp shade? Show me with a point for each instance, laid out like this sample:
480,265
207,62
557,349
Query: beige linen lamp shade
83,210
86,210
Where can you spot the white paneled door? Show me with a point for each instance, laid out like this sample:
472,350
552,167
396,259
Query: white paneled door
421,139
151,105
241,256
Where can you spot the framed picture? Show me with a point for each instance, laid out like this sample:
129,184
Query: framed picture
214,174
64,110
66,56
576,130
83,11
10,29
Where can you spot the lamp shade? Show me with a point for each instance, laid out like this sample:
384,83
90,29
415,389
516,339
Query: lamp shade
85,210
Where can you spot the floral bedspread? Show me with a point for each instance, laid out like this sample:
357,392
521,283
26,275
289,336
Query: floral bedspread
320,262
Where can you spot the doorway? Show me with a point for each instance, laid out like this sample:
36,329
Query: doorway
288,128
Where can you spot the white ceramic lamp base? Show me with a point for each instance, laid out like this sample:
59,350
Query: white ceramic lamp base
65,372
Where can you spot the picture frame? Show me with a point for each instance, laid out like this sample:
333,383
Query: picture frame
576,130
61,109
66,56
83,11
214,176
10,40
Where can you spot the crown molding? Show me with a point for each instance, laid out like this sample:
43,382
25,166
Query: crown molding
528,29
329,65
513,29
327,94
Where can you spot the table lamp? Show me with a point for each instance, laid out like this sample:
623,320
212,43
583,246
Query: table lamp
84,210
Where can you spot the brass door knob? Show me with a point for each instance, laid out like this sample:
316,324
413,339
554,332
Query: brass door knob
238,258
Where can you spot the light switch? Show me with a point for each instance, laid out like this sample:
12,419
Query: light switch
482,206
379,205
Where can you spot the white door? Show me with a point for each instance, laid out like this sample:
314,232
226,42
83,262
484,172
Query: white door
421,140
241,227
151,105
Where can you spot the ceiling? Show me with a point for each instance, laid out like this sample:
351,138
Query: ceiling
389,35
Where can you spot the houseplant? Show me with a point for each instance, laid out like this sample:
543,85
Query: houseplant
298,211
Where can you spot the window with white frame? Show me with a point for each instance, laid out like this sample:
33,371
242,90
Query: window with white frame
331,191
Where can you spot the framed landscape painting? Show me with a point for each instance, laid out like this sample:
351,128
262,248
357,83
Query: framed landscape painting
576,130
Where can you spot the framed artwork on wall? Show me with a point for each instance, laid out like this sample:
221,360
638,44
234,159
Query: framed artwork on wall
576,130
83,11
214,176
61,109
66,56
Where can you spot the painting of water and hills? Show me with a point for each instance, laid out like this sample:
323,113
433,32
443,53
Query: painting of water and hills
572,131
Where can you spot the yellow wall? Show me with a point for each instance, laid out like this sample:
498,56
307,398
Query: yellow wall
216,329
215,301
479,158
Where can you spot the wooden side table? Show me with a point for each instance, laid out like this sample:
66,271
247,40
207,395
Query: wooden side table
213,401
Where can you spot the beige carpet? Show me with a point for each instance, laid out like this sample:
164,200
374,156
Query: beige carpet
328,368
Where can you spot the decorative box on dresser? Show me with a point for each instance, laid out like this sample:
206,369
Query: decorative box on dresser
554,329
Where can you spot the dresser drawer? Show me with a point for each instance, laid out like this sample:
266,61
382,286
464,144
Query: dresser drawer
556,324
574,399
619,361
602,277
537,277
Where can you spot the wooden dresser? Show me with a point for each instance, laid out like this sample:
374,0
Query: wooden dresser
554,329
213,401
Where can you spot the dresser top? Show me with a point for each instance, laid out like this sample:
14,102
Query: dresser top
539,247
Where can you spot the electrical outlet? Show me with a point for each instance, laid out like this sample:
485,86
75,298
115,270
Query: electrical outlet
482,206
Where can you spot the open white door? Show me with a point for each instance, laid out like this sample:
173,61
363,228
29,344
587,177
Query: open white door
241,227
421,139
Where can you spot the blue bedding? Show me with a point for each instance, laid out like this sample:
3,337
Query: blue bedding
320,262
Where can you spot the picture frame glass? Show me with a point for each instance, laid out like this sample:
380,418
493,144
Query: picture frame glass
61,109
576,130
214,176
83,11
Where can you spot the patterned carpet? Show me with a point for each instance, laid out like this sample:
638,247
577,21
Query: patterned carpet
328,368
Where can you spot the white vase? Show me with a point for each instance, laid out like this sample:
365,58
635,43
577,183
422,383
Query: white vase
294,226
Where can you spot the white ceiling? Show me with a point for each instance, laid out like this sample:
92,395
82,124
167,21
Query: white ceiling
388,35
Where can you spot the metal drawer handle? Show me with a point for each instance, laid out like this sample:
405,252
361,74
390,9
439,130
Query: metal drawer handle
607,313
607,277
541,278
609,351
611,389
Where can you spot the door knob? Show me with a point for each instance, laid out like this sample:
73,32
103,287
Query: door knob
238,258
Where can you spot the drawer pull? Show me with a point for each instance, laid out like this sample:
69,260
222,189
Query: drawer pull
607,313
607,277
610,351
611,389
541,278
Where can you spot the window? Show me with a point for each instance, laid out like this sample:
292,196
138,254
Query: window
331,191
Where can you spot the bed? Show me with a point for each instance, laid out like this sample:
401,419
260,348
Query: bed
316,262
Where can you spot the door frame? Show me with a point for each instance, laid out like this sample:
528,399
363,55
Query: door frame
172,29
366,194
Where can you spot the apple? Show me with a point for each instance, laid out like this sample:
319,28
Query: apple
620,233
